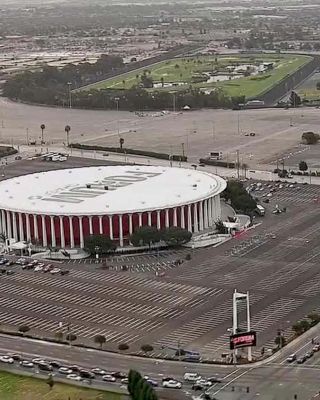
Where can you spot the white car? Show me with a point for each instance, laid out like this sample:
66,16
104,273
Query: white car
74,377
98,371
26,364
108,378
38,268
191,377
39,361
55,271
204,382
7,359
172,384
125,381
65,371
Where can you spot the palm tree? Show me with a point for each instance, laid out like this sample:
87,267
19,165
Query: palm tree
162,81
121,142
67,129
42,127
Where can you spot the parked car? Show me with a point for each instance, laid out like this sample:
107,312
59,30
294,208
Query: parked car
55,271
7,359
55,364
119,375
86,374
172,384
26,364
45,367
152,382
108,378
301,359
74,377
98,371
65,370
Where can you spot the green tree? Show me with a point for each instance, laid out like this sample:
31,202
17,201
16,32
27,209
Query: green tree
175,236
50,381
294,99
310,137
162,81
280,341
134,377
24,329
145,235
220,227
71,337
100,244
59,335
314,317
146,348
303,166
100,339
301,326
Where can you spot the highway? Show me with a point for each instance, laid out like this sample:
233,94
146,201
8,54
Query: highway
271,380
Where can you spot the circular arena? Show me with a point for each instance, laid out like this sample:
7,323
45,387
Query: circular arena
60,208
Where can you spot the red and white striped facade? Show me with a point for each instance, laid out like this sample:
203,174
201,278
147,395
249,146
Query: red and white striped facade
60,208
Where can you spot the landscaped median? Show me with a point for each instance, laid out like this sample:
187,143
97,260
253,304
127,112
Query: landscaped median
23,386
122,150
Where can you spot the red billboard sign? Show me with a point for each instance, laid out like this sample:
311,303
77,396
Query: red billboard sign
244,339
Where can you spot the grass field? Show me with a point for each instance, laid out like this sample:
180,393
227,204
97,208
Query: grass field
184,72
14,387
308,88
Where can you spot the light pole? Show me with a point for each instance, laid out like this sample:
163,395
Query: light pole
27,133
70,99
116,99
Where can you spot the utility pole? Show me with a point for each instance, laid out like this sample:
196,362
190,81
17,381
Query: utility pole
249,327
238,164
27,133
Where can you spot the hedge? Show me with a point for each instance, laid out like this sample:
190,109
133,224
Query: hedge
217,163
163,156
6,151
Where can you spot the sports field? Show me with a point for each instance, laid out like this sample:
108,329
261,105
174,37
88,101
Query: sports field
15,387
235,74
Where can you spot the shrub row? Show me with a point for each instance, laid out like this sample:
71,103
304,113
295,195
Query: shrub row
305,173
217,163
162,156
6,151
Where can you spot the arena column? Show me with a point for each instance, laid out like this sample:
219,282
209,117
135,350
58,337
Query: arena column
209,212
140,219
90,226
81,232
15,232
28,227
189,218
100,225
149,218
201,216
35,226
218,205
62,240
21,232
182,221
9,225
175,220
44,231
130,225
213,211
158,220
120,231
167,218
71,232
110,227
205,209
3,221
53,233
195,218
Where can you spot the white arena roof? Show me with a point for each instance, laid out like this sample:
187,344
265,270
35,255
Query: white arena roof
107,190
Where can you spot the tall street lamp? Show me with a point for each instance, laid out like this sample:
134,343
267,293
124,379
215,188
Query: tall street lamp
70,100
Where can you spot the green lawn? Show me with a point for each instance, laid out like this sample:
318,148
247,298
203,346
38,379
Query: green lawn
185,70
15,387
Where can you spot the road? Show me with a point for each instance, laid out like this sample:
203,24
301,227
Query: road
273,380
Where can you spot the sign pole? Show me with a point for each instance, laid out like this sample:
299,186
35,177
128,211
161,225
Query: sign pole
235,322
249,327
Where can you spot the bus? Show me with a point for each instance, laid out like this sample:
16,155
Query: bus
260,210
215,155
